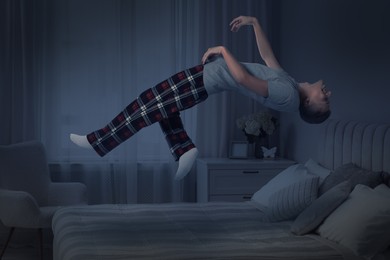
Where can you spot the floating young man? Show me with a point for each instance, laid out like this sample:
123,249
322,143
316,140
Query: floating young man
268,84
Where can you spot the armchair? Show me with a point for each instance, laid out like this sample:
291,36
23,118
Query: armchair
28,197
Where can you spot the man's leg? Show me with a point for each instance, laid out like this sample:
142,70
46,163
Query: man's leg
179,92
176,136
181,146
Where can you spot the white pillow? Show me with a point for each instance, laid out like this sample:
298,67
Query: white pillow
361,223
292,174
289,202
317,169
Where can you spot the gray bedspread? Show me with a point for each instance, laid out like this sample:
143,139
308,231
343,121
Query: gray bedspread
181,231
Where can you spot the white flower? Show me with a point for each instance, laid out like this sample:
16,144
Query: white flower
257,124
252,127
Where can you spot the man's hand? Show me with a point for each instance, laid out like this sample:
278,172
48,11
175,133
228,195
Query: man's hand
263,45
211,52
236,24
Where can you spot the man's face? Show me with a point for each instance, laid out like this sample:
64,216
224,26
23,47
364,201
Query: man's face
319,95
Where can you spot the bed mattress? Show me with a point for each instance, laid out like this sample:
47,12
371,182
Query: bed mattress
182,231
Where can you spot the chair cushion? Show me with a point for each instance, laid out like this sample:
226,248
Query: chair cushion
24,167
19,209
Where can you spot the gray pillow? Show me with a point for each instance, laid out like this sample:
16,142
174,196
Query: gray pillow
320,209
361,223
351,172
290,201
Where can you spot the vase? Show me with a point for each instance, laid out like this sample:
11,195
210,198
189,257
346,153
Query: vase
259,142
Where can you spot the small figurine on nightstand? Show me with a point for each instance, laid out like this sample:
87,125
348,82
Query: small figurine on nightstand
269,153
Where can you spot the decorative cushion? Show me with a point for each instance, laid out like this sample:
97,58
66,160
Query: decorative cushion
353,173
288,202
290,175
315,168
361,223
316,212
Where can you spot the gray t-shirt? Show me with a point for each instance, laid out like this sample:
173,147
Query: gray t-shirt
282,89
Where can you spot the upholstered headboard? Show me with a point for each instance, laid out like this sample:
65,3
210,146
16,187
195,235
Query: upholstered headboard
367,145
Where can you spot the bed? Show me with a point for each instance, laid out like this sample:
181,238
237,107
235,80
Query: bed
283,227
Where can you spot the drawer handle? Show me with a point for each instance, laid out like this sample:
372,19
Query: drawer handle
250,172
247,197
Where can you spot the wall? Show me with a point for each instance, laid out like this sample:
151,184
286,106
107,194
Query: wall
345,43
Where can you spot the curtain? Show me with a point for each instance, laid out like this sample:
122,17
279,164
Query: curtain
71,66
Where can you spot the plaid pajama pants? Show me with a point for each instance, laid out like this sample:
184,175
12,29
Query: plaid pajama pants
162,104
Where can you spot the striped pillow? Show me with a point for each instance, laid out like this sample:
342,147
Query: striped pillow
289,202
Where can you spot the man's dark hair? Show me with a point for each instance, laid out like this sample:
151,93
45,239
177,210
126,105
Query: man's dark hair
313,116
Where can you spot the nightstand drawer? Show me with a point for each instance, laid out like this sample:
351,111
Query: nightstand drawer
232,198
238,182
222,179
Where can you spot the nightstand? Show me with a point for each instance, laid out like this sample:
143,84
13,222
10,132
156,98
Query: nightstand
223,179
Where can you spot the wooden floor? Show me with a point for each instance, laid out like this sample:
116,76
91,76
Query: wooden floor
24,244
27,253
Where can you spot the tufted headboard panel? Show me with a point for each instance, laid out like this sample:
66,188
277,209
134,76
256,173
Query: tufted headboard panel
366,145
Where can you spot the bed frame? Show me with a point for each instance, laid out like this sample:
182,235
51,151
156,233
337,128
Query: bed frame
364,144
195,231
